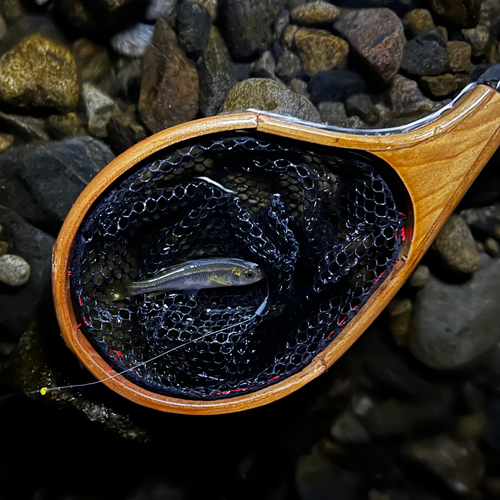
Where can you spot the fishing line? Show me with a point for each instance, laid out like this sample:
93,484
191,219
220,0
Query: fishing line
43,391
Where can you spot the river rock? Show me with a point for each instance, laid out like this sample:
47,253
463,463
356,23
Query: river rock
6,141
419,277
14,270
457,247
335,85
193,28
99,107
92,62
133,41
128,80
418,21
42,181
377,35
458,13
35,248
4,248
319,50
12,10
317,478
217,74
459,54
348,429
288,66
440,86
170,87
269,95
264,66
361,105
159,8
459,464
299,86
478,38
39,72
64,126
315,13
124,131
426,55
248,24
455,323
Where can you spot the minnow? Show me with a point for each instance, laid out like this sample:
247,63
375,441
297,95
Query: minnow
191,275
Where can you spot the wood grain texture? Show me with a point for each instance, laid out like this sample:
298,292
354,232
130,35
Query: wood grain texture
437,162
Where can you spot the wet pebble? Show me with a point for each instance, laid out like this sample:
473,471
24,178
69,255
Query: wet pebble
315,13
264,66
159,8
133,41
399,312
14,270
193,28
456,246
28,128
377,35
361,105
335,85
269,95
333,113
459,54
440,86
319,50
6,141
64,126
92,62
478,38
99,107
288,66
124,131
491,247
4,247
39,73
419,277
426,55
418,21
458,13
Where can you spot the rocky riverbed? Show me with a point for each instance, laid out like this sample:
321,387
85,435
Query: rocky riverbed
411,412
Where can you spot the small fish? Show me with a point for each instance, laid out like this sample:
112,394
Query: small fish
191,275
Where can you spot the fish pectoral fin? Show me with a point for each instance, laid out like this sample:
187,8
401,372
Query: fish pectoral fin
155,294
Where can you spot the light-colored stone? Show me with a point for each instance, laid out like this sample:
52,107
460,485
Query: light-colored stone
6,141
315,13
14,270
459,54
99,107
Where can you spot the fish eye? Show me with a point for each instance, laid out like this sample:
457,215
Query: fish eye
249,274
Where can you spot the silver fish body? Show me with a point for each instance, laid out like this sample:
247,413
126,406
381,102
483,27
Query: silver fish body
192,275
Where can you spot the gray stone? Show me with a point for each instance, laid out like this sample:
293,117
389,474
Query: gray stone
478,38
317,478
299,87
14,270
288,66
264,66
133,41
170,84
28,128
399,312
124,131
269,95
454,323
332,113
42,181
159,8
491,247
248,24
426,55
99,107
361,105
35,247
456,246
217,74
128,79
419,277
459,464
377,35
193,28
348,429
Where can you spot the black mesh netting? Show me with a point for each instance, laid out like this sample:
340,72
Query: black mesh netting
324,227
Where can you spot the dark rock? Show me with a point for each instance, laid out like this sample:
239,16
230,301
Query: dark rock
159,8
332,113
193,28
211,5
248,24
27,127
98,107
458,13
354,122
124,131
41,182
490,15
459,54
170,87
348,429
477,70
288,66
299,87
128,80
491,247
460,465
133,41
12,10
243,70
39,73
33,245
399,313
419,277
457,247
281,24
264,66
454,323
317,478
377,35
269,95
484,222
478,38
440,86
335,85
315,13
217,74
418,21
361,105
3,28
64,126
426,55
319,50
